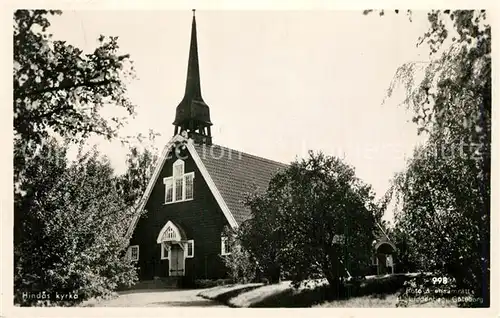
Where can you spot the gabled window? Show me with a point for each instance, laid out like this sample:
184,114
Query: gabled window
180,186
133,253
224,246
190,249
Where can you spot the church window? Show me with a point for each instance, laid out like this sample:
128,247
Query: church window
189,186
225,248
190,249
178,189
178,169
180,186
169,190
134,252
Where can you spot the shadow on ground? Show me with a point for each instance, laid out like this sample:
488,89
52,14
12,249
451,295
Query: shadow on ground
290,297
196,303
225,297
145,291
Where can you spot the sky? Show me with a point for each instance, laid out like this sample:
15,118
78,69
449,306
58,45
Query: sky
278,83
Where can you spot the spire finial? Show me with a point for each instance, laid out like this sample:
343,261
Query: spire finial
194,10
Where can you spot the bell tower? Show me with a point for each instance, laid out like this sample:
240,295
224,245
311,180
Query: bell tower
193,114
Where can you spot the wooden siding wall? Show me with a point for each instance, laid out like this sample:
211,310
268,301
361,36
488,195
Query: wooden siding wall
201,219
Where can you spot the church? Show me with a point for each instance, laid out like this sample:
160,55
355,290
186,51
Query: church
195,193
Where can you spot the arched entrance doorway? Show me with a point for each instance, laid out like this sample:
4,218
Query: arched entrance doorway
383,258
173,243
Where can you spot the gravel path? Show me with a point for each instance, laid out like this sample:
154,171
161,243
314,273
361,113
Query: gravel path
160,298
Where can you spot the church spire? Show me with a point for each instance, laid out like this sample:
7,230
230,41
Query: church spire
193,114
193,74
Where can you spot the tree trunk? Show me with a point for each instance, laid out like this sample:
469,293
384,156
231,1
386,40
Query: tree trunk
336,287
274,274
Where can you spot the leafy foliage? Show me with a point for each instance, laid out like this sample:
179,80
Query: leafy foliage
69,218
58,88
445,190
140,165
208,283
241,265
262,237
442,216
315,220
72,227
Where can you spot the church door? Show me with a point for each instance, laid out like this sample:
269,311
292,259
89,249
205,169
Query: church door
382,264
176,260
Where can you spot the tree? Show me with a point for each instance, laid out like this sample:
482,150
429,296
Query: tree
262,236
441,216
73,227
445,189
70,218
320,215
140,162
406,260
59,89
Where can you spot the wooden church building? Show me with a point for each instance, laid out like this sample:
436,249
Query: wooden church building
195,192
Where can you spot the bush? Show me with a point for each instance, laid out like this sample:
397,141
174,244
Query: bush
381,286
299,226
241,266
207,283
71,221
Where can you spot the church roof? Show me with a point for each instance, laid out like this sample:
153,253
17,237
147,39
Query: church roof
237,173
230,175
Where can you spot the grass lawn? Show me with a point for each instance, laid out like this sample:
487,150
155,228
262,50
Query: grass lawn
382,301
373,292
372,301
